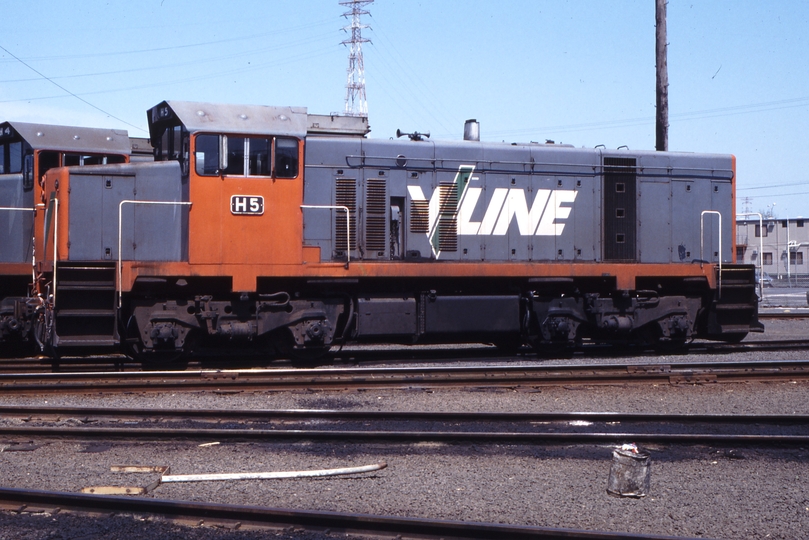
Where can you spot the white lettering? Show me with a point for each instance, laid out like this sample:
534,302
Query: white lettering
492,211
247,204
516,207
555,211
470,200
505,205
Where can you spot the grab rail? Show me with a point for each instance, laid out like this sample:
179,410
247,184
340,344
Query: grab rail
702,242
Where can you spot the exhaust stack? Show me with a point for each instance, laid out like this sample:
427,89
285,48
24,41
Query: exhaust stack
471,130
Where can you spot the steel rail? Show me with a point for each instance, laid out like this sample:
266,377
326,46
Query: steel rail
437,356
27,411
477,437
423,377
301,519
786,313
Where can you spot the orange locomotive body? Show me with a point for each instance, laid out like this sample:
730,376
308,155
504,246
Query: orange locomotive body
271,229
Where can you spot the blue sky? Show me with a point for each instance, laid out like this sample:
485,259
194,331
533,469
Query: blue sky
579,72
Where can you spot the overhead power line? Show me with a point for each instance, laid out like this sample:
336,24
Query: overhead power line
649,120
56,84
771,186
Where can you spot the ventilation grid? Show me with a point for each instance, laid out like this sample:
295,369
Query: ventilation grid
375,214
346,195
448,217
419,216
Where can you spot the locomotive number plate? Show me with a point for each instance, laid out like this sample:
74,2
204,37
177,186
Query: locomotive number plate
247,205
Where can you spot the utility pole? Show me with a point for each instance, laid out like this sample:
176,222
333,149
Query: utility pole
662,123
356,103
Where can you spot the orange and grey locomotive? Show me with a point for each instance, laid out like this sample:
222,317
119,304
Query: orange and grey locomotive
272,229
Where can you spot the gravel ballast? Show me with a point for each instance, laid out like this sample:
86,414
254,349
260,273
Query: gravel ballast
696,491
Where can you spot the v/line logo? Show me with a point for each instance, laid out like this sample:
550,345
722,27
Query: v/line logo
505,205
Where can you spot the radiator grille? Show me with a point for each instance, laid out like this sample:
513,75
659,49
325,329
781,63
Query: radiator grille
346,195
448,217
375,214
419,216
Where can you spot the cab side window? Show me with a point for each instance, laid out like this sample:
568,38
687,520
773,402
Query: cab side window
206,154
260,155
286,158
246,156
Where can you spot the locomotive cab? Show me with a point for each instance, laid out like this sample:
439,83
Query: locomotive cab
250,158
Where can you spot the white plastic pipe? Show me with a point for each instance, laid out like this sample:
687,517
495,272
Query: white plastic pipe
270,475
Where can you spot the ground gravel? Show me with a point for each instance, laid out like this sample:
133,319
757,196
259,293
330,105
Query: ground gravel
696,491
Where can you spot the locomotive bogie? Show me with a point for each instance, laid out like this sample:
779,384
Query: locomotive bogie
266,323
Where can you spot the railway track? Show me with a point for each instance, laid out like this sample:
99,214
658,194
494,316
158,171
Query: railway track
511,376
385,426
290,519
376,356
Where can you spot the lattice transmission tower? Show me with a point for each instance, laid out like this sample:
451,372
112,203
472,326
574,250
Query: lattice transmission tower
356,102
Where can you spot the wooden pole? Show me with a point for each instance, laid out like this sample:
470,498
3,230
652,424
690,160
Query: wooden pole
662,123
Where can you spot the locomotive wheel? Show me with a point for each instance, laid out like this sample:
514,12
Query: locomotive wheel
133,348
555,350
154,359
300,357
161,360
510,345
735,337
310,357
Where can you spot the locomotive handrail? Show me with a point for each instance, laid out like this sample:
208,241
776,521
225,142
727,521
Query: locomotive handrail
119,285
348,224
55,214
760,252
702,242
432,163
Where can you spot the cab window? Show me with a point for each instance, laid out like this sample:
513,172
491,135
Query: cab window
169,145
207,155
70,160
11,158
286,158
246,156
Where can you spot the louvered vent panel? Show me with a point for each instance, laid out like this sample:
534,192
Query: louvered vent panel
375,212
620,209
448,218
346,195
419,216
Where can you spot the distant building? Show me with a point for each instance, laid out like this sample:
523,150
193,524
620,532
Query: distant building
782,245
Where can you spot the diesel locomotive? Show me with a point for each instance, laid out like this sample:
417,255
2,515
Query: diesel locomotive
27,152
275,230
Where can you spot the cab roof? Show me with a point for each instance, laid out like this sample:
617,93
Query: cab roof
68,138
225,118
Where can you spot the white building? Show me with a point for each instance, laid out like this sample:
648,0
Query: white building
782,244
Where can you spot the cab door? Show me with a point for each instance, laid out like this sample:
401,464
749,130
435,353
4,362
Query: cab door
246,193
